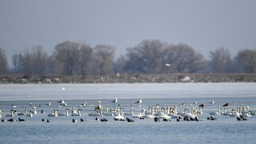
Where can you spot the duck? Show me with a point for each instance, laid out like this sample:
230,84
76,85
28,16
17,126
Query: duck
129,120
82,120
74,121
226,104
157,119
21,119
103,120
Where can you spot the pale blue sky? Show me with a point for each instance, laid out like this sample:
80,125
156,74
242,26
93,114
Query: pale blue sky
203,24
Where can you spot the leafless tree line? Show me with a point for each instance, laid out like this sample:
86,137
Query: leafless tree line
149,57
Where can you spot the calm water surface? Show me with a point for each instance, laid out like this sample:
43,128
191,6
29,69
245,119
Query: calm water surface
61,129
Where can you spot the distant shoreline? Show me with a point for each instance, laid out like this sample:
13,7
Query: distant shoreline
130,78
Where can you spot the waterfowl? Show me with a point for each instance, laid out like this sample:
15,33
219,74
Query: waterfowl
103,120
73,120
137,115
138,102
115,100
226,104
82,120
54,114
76,113
129,120
201,105
120,116
21,119
157,119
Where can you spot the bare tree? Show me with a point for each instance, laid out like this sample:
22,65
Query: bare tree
246,61
39,60
67,56
220,60
104,56
145,57
85,59
183,58
3,62
32,62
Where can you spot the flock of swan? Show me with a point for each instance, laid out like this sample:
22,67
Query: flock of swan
156,112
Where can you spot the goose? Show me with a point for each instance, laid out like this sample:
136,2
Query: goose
54,114
201,105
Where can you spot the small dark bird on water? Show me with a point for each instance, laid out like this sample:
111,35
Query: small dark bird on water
226,104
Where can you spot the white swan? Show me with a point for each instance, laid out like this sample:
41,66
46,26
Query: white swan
215,113
140,115
54,114
120,116
150,113
1,113
76,112
189,115
11,114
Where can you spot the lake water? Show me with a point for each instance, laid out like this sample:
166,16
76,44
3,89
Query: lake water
225,129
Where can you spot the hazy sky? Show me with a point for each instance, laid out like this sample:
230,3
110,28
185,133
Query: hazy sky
203,24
